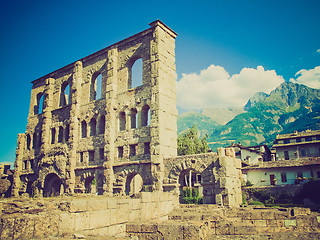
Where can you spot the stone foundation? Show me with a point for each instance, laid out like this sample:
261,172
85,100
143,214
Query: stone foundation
88,215
214,222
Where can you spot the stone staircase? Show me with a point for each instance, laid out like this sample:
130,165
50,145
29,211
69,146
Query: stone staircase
215,222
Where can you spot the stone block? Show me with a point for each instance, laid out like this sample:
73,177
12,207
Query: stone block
78,205
304,221
133,228
260,223
135,204
145,197
171,231
256,215
117,229
104,231
66,223
23,228
224,228
113,216
150,228
134,215
191,232
290,222
300,211
112,203
7,228
97,204
123,213
245,230
155,196
221,152
282,215
98,219
267,215
275,223
82,221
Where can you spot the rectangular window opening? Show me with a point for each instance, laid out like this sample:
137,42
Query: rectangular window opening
147,148
133,150
81,157
101,153
286,155
91,156
283,177
120,152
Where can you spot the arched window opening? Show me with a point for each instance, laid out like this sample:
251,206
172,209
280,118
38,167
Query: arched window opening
145,116
53,135
96,87
93,127
122,121
134,184
102,124
60,136
83,129
133,118
136,75
28,141
65,97
99,87
67,133
38,109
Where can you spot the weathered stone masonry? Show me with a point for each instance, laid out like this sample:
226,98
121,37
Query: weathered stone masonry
91,129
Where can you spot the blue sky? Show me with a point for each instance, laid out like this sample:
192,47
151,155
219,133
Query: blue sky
216,39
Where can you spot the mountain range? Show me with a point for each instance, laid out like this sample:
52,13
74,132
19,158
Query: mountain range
287,108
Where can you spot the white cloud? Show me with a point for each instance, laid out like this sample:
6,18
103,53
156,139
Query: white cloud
318,51
214,87
310,78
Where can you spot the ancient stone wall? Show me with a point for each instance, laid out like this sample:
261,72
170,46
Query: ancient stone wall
88,117
88,215
217,175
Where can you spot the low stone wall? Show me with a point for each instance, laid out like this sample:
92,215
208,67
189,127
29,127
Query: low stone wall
90,215
190,222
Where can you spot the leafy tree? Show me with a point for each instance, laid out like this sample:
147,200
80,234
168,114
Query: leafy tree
190,143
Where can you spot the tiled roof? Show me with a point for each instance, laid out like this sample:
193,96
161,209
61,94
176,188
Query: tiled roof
286,163
298,134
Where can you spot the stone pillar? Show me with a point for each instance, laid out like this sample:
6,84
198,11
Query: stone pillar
21,142
75,91
163,126
47,116
110,133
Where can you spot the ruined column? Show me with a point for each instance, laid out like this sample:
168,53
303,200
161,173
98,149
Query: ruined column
75,91
21,142
110,133
47,116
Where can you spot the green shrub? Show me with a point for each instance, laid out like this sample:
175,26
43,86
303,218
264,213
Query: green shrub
249,184
244,200
191,196
256,203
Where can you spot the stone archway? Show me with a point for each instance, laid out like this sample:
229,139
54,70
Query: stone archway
52,185
189,183
124,176
185,172
134,184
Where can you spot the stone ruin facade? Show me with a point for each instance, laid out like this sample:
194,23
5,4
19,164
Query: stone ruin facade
93,127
